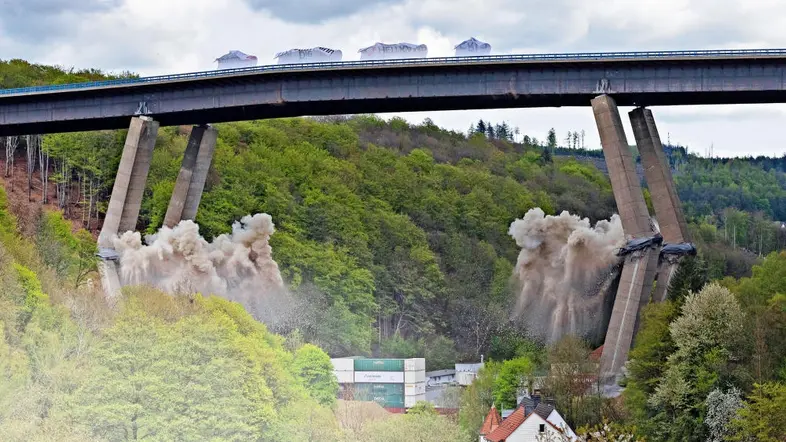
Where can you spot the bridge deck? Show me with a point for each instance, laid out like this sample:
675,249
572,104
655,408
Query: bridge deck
447,83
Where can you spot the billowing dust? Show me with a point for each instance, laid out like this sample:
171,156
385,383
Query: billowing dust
566,270
238,266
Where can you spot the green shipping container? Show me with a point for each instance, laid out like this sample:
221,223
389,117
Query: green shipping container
379,365
384,400
376,389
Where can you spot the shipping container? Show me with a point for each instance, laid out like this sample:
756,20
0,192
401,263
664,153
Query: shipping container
344,377
415,364
412,377
379,365
385,400
410,401
414,389
387,377
343,364
375,388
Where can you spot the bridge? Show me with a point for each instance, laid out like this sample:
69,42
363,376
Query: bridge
600,80
375,86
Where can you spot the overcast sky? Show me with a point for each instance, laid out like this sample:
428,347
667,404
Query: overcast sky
152,37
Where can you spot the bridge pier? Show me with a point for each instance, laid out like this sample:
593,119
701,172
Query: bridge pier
193,174
638,272
126,198
666,201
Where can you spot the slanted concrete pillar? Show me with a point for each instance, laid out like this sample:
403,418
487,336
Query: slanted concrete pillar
205,156
130,180
192,176
126,198
668,208
638,271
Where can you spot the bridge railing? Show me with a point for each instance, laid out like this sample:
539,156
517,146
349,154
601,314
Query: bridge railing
466,60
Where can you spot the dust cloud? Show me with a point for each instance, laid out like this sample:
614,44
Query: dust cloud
238,266
567,271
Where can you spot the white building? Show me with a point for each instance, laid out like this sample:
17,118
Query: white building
236,59
472,47
466,373
440,377
522,427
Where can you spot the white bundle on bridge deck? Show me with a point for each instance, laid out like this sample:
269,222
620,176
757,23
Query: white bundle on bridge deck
472,47
313,55
382,51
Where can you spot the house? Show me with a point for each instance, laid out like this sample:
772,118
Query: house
492,421
236,59
466,373
440,377
521,426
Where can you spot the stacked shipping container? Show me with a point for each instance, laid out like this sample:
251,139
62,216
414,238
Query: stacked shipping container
393,383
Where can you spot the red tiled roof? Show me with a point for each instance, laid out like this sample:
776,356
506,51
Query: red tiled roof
595,355
508,426
511,423
492,421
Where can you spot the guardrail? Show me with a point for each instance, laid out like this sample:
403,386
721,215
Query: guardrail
731,53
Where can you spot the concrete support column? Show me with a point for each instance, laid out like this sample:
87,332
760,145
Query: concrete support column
126,198
205,156
192,176
638,271
668,208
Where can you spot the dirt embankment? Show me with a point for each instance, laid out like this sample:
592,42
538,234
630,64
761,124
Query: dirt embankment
28,205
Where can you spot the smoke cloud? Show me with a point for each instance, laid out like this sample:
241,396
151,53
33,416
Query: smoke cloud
238,266
567,271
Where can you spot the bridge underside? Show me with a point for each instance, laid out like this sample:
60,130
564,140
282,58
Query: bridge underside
386,105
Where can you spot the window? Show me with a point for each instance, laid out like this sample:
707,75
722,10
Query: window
542,428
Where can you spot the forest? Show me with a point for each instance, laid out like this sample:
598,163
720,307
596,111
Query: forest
394,236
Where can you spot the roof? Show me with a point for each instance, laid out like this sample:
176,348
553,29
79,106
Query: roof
436,373
595,355
236,55
543,410
518,417
492,421
471,367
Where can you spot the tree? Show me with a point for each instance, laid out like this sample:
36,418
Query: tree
551,139
707,339
481,127
761,417
313,367
513,376
476,399
721,409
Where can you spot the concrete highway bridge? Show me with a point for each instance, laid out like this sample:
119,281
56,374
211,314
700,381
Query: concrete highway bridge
599,80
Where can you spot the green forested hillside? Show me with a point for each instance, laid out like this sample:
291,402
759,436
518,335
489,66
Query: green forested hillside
157,367
394,239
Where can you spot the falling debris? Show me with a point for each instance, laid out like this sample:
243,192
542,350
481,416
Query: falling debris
238,266
566,270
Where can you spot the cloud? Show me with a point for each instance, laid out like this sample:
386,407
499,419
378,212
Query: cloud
44,20
315,11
